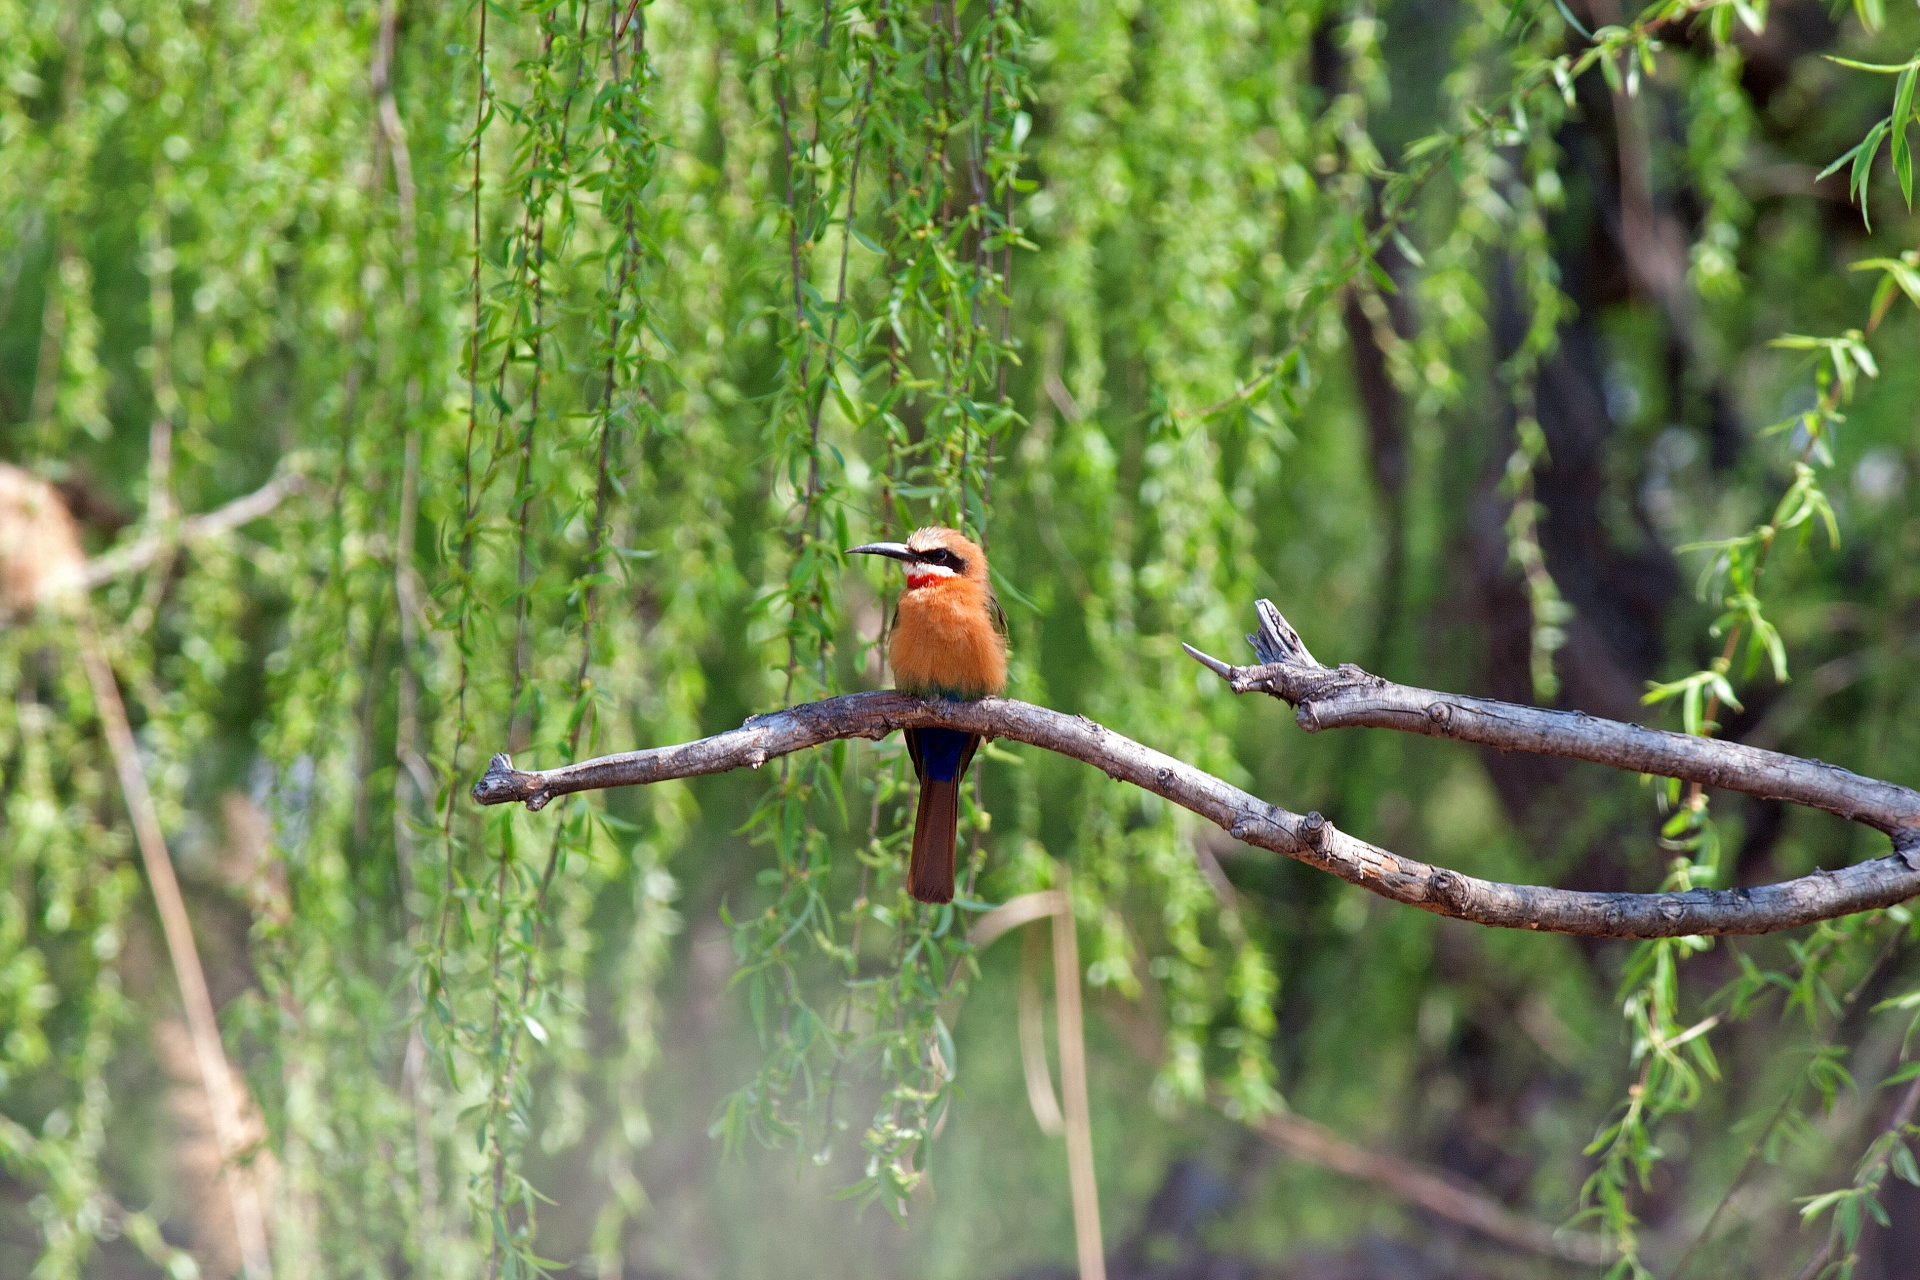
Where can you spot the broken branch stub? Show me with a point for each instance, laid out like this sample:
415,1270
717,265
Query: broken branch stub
1348,697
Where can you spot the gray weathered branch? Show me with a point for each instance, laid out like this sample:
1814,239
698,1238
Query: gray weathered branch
1308,838
242,510
1347,697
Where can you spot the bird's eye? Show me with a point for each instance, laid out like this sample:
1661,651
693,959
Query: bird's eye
944,558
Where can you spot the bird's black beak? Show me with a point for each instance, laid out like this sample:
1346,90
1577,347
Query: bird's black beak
893,550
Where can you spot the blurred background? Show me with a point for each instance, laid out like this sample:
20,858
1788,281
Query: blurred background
384,385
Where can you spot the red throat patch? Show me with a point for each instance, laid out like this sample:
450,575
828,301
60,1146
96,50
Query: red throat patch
915,581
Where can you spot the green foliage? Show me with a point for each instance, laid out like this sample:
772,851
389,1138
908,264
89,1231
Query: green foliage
594,333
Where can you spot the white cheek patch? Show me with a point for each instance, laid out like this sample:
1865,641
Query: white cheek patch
923,575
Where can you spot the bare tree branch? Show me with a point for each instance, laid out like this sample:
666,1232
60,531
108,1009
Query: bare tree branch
224,1094
1346,697
1308,838
138,555
1436,1191
1313,1143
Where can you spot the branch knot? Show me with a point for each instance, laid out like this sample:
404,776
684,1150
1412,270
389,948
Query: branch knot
1448,887
502,783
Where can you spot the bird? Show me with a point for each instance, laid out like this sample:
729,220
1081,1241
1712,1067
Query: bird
948,641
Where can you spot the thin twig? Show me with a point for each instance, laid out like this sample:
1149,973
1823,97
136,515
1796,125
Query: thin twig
1033,1041
1903,1115
1303,1139
1073,1090
216,1074
1077,1122
1758,1148
166,400
800,324
469,509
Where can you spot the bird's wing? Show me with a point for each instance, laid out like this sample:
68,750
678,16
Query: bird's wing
913,749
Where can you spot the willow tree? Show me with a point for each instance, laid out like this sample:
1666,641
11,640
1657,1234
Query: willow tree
434,381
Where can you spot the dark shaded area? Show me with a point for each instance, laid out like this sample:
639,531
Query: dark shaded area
1892,1252
1610,565
1169,1243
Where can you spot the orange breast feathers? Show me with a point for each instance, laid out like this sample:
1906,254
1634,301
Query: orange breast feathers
944,640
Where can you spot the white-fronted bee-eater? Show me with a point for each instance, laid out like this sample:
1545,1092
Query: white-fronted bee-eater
948,641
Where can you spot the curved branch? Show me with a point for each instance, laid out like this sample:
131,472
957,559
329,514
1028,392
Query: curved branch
1439,1194
1347,697
138,555
1308,838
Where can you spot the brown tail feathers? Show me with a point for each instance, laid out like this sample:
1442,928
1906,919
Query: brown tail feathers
936,832
940,758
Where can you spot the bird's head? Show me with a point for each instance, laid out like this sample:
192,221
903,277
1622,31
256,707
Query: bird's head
933,556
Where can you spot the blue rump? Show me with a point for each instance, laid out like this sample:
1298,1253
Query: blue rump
941,751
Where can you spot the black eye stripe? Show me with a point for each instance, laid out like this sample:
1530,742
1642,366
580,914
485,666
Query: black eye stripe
944,558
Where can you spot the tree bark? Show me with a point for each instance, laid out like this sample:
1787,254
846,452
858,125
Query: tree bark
1328,697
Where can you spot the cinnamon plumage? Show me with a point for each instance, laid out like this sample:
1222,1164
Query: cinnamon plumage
948,641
